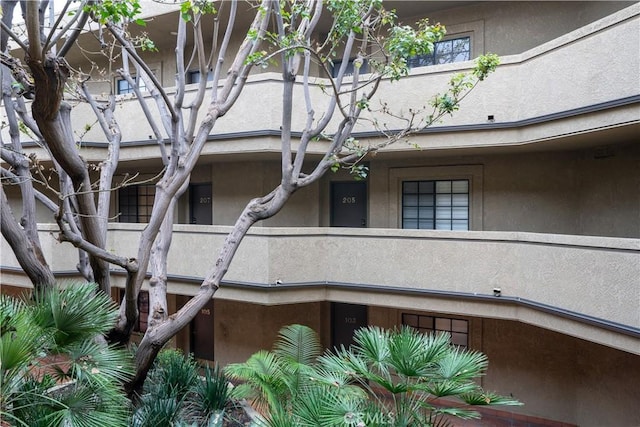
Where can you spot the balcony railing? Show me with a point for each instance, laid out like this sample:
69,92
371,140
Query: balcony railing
597,277
575,74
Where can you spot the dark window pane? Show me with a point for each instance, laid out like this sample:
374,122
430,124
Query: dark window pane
427,187
459,339
410,187
143,311
411,200
457,328
458,325
135,203
410,320
443,324
425,224
426,322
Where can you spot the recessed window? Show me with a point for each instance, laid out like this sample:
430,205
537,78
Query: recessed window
444,52
123,86
350,68
435,205
457,328
195,77
135,203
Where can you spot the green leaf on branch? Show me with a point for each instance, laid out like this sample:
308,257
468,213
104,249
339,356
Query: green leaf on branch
115,11
486,64
196,7
359,172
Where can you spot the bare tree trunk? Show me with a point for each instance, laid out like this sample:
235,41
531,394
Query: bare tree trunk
29,255
53,119
157,336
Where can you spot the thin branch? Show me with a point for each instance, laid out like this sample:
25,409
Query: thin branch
72,36
129,264
223,50
13,36
52,32
41,197
127,45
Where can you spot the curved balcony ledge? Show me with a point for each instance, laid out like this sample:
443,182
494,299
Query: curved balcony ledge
569,86
586,286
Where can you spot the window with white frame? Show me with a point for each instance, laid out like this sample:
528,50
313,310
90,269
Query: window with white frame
457,328
444,52
123,86
435,204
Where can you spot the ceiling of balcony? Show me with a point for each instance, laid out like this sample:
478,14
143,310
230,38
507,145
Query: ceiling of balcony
161,28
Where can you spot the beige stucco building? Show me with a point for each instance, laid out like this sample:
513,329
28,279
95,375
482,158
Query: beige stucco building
514,225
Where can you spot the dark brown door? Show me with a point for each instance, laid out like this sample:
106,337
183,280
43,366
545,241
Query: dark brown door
200,204
202,333
349,204
345,319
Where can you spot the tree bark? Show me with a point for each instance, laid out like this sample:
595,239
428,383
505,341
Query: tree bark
53,118
29,256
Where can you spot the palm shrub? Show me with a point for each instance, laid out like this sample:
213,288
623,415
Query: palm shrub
387,378
175,394
283,383
167,390
212,395
55,370
414,379
173,373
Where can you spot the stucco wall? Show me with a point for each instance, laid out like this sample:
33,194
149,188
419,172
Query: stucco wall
570,71
513,27
561,377
242,329
234,184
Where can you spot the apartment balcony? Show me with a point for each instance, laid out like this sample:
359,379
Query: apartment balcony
583,286
574,89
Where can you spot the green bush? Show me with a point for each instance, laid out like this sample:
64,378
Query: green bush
176,395
54,369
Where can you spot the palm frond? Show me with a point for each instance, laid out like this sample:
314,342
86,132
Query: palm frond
298,343
435,347
262,374
20,339
373,344
97,362
407,348
74,313
462,413
462,364
328,406
445,387
482,398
